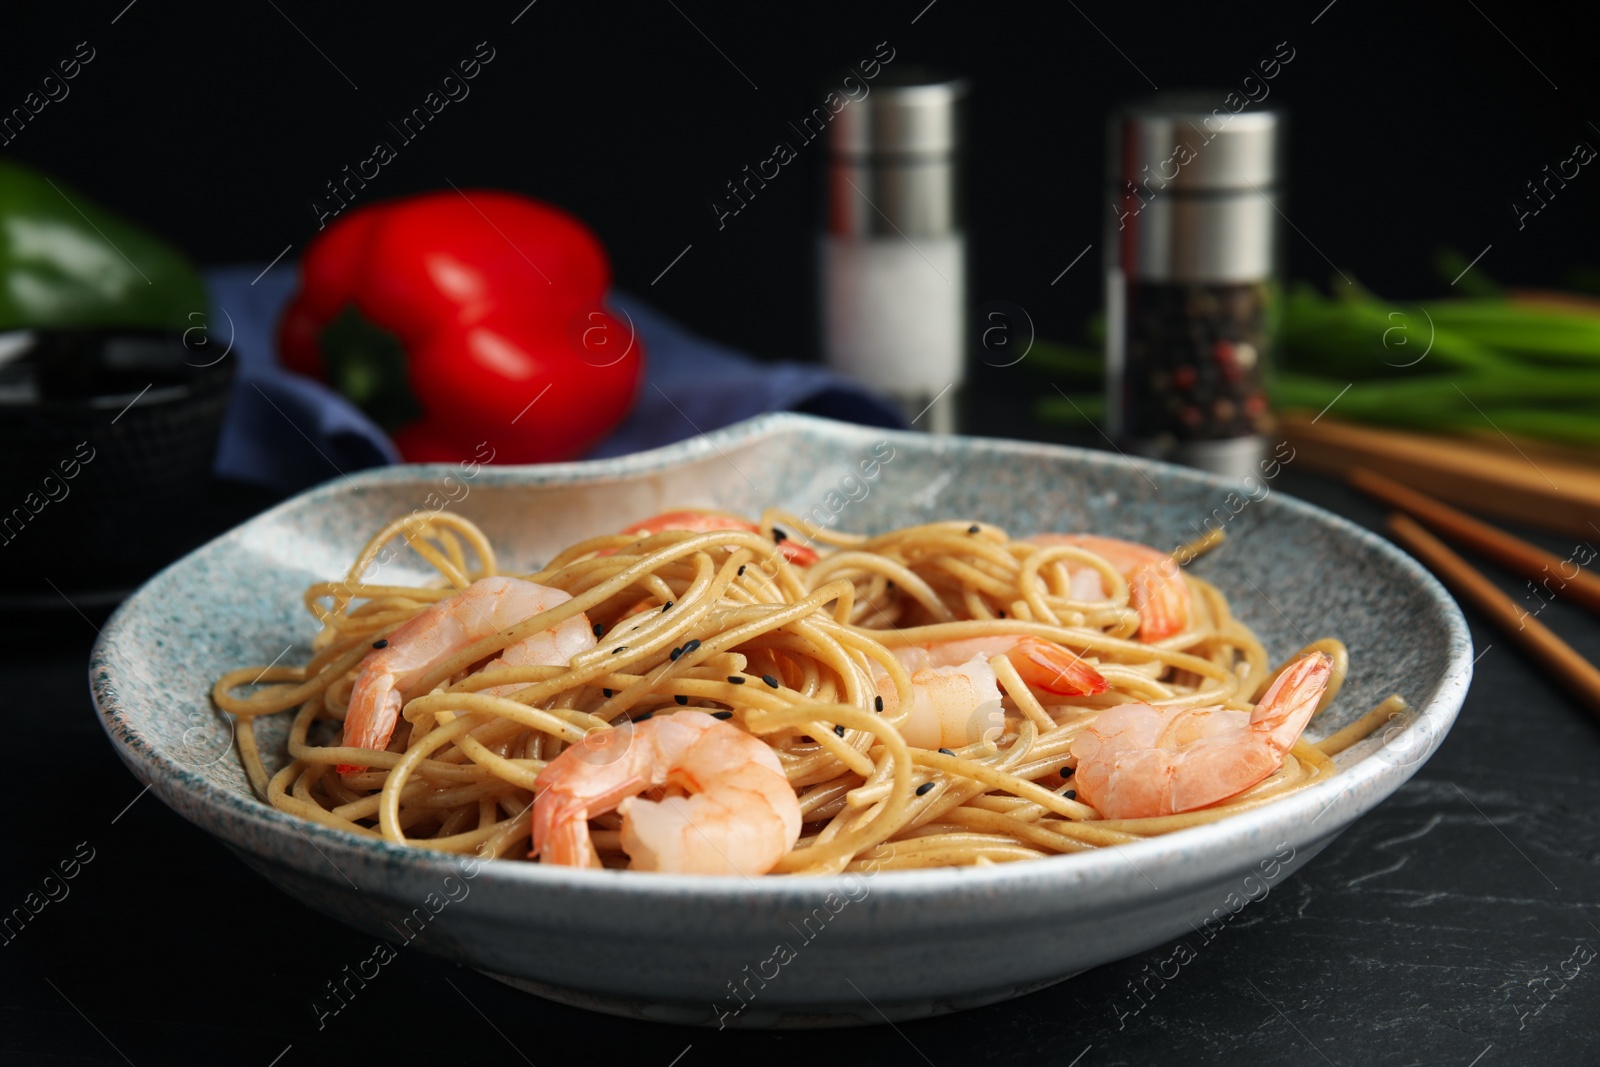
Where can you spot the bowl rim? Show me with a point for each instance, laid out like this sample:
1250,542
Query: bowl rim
1186,857
207,381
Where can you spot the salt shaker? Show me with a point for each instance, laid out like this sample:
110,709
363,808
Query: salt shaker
1191,279
893,246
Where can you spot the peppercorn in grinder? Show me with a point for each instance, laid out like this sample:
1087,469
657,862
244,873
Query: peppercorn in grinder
1192,295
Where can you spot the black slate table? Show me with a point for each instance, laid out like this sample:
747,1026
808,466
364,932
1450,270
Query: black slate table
1458,924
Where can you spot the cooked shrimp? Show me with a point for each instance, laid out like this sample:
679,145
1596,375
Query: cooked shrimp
485,607
1155,588
730,809
701,521
956,697
1136,761
554,647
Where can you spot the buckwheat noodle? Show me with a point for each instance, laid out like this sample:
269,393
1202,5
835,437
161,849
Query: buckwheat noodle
792,653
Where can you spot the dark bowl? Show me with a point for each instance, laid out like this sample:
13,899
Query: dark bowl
108,438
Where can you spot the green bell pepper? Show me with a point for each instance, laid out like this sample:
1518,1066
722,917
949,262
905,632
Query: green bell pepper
67,262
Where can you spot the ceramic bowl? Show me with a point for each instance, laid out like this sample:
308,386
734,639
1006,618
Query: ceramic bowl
784,951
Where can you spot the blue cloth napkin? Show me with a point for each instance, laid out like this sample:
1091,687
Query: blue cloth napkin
288,432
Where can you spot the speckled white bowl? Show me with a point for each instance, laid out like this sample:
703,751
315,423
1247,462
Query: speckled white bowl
783,951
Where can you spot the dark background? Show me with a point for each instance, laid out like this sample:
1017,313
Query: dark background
1415,126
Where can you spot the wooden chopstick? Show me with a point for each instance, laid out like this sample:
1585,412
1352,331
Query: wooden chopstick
1574,672
1521,483
1512,553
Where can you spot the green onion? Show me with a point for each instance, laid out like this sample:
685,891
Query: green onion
1479,364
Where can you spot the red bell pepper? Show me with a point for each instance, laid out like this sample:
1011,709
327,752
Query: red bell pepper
455,319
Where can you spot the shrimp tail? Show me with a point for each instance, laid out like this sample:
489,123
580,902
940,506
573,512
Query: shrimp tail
1054,669
561,823
798,554
370,720
591,776
1161,598
561,835
1289,703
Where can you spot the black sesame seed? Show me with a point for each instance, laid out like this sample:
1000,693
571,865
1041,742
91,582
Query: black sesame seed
690,646
741,570
839,730
681,699
877,703
947,752
778,536
722,714
619,648
1071,794
974,528
770,680
1065,772
676,653
666,606
924,789
382,642
645,716
599,631
734,679
607,692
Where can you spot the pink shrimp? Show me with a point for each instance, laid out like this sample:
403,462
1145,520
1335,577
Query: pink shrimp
1155,588
701,521
956,697
442,629
1042,664
1135,761
730,809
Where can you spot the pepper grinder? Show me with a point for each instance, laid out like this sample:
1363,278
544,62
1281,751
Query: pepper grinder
1191,290
893,246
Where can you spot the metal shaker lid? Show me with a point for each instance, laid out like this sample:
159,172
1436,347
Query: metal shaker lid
907,112
1195,142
